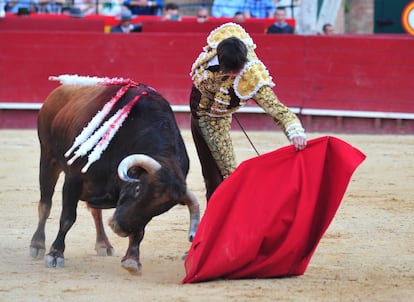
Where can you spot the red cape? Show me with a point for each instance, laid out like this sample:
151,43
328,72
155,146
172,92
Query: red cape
267,218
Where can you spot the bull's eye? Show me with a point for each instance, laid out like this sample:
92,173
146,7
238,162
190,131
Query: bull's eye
137,191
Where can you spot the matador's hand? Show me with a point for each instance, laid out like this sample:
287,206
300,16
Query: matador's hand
299,142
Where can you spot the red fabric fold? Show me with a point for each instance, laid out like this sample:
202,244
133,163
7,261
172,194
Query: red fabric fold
267,218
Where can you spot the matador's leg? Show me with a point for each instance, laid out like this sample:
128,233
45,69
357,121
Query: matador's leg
211,173
216,132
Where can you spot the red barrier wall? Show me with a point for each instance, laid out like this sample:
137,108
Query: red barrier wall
160,60
370,73
52,23
360,73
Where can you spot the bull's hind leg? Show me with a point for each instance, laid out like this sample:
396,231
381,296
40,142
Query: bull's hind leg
71,192
103,247
48,176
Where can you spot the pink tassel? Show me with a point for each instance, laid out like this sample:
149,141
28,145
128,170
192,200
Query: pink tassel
117,81
110,133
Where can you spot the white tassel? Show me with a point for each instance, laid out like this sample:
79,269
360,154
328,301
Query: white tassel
74,79
101,146
93,140
96,120
86,132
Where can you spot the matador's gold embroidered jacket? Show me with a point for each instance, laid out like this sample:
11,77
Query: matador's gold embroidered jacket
217,105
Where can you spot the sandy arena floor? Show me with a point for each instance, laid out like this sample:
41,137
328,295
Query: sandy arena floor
367,253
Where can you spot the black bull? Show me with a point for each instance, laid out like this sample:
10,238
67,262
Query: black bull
150,181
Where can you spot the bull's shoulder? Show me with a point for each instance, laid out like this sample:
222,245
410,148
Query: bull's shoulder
68,108
76,102
72,95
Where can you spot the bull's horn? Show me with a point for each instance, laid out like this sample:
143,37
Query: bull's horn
141,160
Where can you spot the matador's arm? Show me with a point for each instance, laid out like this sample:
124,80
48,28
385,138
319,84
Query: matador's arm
282,115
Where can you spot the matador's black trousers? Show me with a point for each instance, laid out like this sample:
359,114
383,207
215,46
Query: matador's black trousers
211,173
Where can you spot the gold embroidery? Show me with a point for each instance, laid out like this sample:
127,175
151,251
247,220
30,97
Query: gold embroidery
253,76
281,114
216,132
229,30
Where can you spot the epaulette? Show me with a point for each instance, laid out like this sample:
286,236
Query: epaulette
253,76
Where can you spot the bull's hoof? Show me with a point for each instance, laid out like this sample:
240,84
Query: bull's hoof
37,253
191,236
184,256
54,261
105,251
132,266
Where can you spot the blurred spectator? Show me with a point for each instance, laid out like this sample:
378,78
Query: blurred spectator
51,6
111,8
75,12
145,7
239,17
125,26
14,6
225,8
260,9
2,8
291,6
280,26
327,29
172,12
87,7
202,14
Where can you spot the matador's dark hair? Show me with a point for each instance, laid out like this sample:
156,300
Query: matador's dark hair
232,54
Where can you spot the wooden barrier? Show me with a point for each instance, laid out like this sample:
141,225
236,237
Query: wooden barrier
347,74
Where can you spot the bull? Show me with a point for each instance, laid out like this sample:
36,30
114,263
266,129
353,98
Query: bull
135,162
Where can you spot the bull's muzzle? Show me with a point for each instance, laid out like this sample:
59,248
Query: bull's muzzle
116,228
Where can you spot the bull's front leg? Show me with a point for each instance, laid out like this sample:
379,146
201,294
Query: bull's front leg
131,260
71,192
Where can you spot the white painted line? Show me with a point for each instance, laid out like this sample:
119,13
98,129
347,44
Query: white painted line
256,109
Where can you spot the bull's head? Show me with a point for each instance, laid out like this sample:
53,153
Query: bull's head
149,189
